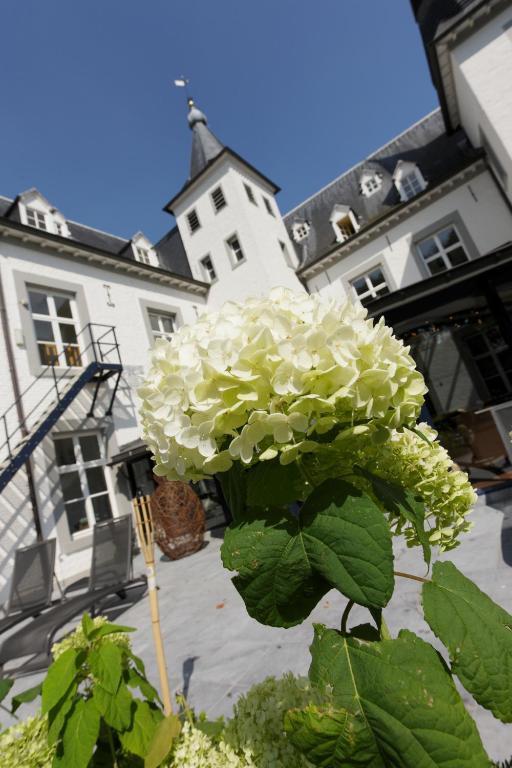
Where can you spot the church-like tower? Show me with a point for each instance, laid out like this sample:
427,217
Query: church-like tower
229,221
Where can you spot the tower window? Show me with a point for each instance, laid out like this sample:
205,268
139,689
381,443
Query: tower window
208,269
235,250
193,221
35,218
218,199
268,206
250,194
370,286
300,231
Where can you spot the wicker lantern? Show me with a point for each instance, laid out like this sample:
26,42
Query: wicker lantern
178,518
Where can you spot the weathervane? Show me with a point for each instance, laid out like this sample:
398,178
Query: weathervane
183,82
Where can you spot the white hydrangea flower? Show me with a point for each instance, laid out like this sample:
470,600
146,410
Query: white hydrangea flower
266,377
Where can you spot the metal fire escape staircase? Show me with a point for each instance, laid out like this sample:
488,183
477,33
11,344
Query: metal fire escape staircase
99,361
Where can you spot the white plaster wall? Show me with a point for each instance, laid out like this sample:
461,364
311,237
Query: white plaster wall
487,219
482,69
258,232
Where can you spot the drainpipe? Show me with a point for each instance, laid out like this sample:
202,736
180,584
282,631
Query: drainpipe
19,410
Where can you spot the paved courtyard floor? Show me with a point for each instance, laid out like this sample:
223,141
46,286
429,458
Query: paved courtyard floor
215,651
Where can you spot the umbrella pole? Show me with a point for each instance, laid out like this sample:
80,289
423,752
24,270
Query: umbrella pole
144,524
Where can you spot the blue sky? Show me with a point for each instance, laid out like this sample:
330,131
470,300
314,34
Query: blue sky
302,88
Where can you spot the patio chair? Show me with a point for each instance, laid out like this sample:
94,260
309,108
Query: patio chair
111,574
31,583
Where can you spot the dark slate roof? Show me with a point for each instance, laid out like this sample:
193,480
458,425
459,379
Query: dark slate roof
172,254
430,14
426,143
205,148
170,249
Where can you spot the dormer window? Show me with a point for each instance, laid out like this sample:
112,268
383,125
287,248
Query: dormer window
193,221
218,199
409,180
370,183
300,231
143,251
143,255
344,222
36,218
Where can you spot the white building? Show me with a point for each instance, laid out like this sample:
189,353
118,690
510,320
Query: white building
420,231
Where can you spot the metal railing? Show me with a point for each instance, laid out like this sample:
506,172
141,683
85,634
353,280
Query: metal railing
99,349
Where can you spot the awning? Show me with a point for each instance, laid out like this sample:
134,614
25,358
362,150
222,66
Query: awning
132,451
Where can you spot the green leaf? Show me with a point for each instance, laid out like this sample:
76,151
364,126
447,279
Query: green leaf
116,709
165,733
135,680
286,564
59,678
79,736
270,484
402,692
212,728
109,629
400,503
24,697
106,663
5,687
58,714
140,735
87,625
331,737
477,634
233,484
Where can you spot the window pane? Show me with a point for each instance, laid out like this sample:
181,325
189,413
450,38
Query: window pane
496,386
102,509
153,319
486,366
360,286
72,355
428,248
38,303
377,277
382,291
167,324
68,333
90,447
436,266
48,354
70,484
457,256
96,479
477,345
494,337
448,237
63,306
505,359
44,330
64,451
77,518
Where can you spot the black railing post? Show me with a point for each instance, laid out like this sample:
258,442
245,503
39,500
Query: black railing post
116,344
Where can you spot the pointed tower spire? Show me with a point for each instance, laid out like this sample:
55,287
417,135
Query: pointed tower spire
205,146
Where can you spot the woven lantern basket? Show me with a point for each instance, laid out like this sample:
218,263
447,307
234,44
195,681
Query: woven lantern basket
178,519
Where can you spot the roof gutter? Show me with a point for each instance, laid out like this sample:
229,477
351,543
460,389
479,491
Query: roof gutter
66,248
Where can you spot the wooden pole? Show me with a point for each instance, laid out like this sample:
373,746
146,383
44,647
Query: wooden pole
144,525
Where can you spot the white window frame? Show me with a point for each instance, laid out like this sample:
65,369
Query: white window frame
160,315
80,466
209,273
443,253
300,231
340,212
39,219
222,199
55,321
404,172
235,262
193,215
143,255
372,289
370,184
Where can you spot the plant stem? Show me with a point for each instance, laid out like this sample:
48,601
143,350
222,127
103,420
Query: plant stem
411,576
384,629
346,612
111,744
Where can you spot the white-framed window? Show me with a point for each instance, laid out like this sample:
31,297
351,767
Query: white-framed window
492,357
55,321
209,272
81,464
36,218
250,194
235,250
162,324
344,222
300,231
409,180
370,183
143,255
193,221
442,250
218,199
59,228
268,206
370,286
